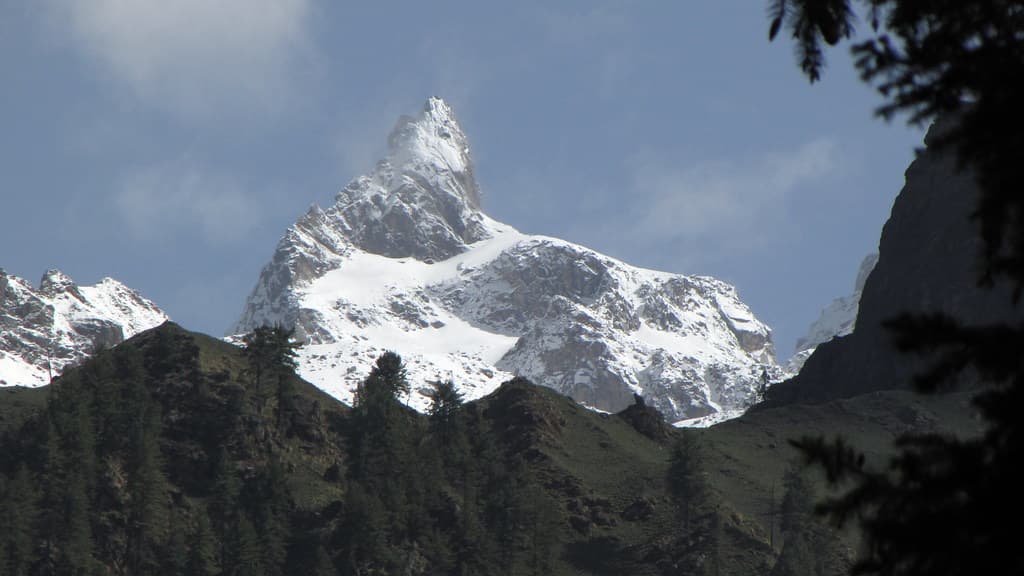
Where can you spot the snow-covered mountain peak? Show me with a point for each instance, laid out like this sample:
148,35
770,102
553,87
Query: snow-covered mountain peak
44,330
405,260
55,282
433,141
422,200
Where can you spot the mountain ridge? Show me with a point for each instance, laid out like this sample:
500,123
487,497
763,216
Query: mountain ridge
405,259
46,329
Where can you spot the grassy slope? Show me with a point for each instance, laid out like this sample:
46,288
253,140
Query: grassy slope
18,403
308,456
749,456
598,468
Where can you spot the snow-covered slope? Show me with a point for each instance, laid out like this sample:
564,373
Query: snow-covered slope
837,319
405,260
44,330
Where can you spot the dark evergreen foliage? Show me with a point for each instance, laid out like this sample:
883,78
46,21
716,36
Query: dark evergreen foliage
941,505
18,511
202,553
687,479
272,352
938,59
138,465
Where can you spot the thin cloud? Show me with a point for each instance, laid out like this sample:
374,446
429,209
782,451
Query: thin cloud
193,57
158,201
599,33
727,206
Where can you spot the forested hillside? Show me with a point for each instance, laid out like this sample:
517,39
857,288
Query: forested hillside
176,453
179,454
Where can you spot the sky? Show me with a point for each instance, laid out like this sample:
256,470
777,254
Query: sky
170,144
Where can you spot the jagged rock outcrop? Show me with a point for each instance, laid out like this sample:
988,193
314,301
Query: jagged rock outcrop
44,330
928,258
406,260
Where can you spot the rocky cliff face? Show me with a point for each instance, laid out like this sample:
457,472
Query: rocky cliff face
44,330
927,262
406,260
837,319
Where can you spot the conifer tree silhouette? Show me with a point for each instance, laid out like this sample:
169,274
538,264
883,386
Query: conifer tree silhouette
941,506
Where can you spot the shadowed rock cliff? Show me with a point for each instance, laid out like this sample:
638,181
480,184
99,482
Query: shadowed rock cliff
928,255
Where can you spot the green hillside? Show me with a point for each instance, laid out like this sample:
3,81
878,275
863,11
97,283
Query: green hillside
174,453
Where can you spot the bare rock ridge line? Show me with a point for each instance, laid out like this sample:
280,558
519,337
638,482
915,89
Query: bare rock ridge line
45,330
927,258
405,259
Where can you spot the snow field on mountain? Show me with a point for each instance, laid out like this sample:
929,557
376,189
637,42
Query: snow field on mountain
356,306
405,260
14,371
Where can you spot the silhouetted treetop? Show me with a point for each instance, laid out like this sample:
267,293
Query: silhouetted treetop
961,59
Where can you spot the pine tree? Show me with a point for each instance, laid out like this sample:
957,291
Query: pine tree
51,503
77,547
224,504
269,349
542,527
483,475
202,548
322,564
378,436
175,550
448,428
507,508
18,511
271,353
445,402
285,395
149,515
388,377
686,476
363,531
244,556
69,480
274,505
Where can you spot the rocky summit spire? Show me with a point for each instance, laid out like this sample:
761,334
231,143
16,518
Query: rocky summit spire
421,200
434,142
56,282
